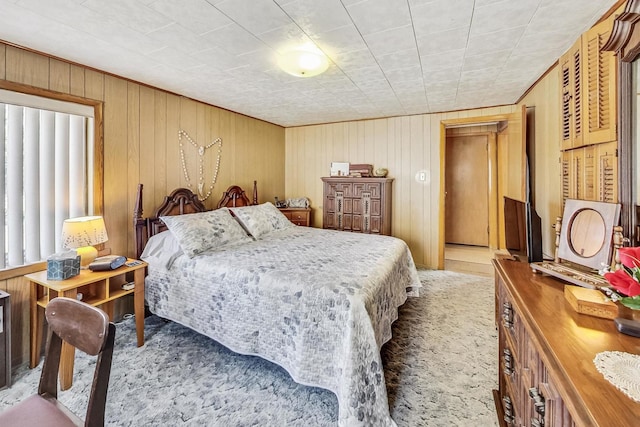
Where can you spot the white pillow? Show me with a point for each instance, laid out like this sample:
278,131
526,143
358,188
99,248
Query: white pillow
260,220
161,250
201,231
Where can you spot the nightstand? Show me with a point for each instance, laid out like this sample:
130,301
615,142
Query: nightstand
97,288
298,216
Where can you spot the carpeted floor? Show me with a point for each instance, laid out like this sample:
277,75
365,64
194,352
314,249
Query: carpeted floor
440,368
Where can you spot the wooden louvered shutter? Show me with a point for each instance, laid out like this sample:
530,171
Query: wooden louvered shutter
601,86
577,95
571,102
608,172
566,177
589,174
565,73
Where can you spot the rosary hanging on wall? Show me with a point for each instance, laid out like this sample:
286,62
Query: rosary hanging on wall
201,151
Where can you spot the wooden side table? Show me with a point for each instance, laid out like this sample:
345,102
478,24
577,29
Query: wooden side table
97,288
298,216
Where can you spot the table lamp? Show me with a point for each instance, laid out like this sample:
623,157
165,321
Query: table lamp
81,234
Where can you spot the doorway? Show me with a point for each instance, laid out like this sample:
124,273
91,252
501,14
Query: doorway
467,189
470,200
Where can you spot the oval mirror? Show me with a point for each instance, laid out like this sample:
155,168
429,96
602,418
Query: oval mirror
586,233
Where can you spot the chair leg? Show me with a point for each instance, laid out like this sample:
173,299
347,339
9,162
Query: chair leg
49,376
97,403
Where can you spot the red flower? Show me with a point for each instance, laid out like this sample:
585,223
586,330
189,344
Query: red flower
623,283
629,257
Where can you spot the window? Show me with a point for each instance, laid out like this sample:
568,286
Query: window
46,153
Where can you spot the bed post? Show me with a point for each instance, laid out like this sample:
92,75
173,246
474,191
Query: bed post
255,192
138,223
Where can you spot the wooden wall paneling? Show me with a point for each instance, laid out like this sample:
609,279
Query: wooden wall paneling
59,76
94,85
3,62
158,147
172,166
76,80
288,175
27,68
404,217
415,189
502,141
228,157
19,290
116,214
132,154
426,194
146,148
433,216
188,123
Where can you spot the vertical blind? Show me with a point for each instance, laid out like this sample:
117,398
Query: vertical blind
45,180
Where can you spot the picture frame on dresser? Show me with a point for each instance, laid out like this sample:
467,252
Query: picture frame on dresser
587,238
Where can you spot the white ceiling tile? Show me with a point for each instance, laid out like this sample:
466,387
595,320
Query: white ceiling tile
255,16
316,17
234,39
390,41
197,16
452,59
374,16
443,42
130,13
492,60
503,15
441,15
500,40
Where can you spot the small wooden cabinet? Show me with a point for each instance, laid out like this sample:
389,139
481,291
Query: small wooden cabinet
546,374
298,216
360,205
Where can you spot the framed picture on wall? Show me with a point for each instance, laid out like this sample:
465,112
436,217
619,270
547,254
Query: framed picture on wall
339,169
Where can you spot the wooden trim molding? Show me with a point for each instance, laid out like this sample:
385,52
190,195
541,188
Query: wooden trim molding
624,40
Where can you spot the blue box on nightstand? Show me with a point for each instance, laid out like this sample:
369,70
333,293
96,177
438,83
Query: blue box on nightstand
61,269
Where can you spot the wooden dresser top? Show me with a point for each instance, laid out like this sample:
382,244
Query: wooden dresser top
568,342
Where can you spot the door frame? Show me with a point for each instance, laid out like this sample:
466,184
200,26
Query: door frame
444,125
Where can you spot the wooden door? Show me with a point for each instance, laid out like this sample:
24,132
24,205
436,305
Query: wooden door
467,190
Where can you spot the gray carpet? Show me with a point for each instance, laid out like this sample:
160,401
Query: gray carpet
440,368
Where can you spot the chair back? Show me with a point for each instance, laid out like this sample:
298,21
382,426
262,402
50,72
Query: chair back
86,328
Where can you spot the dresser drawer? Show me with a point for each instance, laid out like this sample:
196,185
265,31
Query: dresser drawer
298,216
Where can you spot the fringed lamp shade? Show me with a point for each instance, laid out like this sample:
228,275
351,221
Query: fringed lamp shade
81,234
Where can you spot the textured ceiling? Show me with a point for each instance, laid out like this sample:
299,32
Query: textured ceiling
388,57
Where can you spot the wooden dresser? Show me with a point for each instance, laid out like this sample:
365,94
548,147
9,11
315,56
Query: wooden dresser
298,216
546,372
357,204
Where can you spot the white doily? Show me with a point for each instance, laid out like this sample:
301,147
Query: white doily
622,370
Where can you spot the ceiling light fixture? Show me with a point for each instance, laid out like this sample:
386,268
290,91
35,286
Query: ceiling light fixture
304,61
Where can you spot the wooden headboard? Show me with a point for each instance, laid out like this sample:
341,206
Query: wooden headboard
181,201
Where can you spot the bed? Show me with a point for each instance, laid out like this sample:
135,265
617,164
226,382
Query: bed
319,303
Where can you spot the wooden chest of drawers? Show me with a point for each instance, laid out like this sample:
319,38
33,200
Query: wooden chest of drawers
298,216
357,204
546,350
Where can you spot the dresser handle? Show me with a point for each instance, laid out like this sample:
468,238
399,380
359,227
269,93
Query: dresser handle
508,362
509,417
538,405
507,315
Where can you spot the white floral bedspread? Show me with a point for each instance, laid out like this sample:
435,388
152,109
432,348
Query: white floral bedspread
319,303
